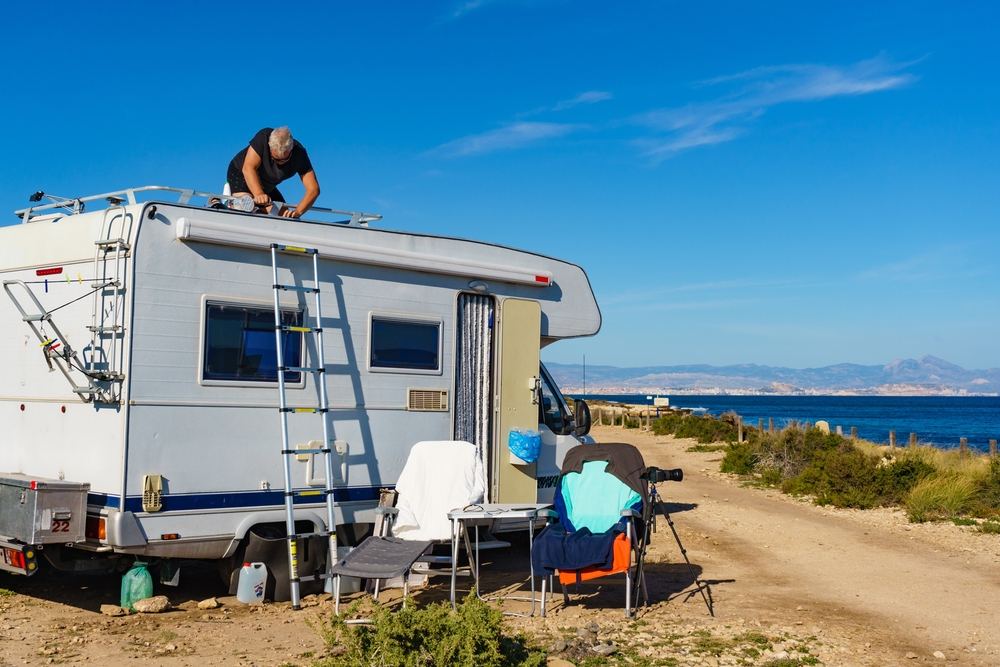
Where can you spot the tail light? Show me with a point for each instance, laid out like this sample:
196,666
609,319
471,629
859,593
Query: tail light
96,528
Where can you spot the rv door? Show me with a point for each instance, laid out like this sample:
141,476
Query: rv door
519,393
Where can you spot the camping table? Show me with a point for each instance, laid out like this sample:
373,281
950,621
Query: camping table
484,514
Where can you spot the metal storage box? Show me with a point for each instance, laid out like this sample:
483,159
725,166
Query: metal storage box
36,510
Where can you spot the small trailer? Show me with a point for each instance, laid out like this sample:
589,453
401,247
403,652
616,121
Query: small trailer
139,396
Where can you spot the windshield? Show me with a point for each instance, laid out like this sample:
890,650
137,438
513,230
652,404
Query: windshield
553,411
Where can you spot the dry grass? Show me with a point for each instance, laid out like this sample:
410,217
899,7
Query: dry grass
943,495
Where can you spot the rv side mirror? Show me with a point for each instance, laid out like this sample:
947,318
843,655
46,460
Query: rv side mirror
581,418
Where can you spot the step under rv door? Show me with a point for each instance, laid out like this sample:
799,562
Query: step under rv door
519,334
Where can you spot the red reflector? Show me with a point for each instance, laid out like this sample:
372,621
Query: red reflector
13,558
49,272
541,279
33,484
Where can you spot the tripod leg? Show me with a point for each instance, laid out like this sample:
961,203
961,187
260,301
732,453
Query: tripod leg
701,586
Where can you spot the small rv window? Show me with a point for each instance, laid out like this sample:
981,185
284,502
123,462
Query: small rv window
240,344
404,345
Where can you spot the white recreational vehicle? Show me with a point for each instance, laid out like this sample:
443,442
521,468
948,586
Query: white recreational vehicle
138,381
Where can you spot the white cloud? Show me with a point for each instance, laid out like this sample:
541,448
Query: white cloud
589,97
514,135
723,119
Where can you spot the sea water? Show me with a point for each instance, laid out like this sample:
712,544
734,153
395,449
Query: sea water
937,420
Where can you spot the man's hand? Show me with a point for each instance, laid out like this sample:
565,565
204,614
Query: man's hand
261,200
290,213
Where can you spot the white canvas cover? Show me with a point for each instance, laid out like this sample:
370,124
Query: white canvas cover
439,476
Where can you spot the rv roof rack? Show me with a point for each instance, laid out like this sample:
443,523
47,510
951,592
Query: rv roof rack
119,197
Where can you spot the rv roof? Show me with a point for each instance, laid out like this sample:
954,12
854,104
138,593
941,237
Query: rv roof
78,205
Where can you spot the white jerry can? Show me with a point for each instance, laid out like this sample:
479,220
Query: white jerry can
253,579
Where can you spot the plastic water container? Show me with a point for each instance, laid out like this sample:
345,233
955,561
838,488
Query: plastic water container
347,584
226,191
253,579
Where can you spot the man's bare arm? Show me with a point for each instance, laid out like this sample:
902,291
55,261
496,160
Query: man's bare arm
308,199
250,164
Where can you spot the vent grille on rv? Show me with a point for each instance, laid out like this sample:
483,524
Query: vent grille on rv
427,400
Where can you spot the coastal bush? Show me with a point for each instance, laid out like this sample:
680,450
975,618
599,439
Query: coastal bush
828,466
739,459
988,491
704,428
940,496
431,635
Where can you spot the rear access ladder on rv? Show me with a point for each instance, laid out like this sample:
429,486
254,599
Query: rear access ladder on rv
280,330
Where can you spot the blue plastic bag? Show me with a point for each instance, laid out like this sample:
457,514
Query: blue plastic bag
525,444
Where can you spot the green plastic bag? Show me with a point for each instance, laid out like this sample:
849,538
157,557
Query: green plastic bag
137,584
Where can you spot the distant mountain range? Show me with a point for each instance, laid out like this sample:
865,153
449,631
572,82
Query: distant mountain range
928,376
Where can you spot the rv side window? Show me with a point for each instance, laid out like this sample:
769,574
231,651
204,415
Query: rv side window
405,345
240,344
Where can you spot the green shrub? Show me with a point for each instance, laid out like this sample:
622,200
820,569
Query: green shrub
739,459
432,635
988,493
704,428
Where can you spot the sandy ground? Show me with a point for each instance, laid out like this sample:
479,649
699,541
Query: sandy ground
787,579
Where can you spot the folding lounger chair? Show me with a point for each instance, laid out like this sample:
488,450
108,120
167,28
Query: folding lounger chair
602,508
438,477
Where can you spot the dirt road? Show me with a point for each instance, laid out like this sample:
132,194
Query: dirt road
789,581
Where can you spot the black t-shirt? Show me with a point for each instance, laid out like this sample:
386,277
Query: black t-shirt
270,172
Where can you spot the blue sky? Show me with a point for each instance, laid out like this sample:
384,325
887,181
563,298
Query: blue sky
795,184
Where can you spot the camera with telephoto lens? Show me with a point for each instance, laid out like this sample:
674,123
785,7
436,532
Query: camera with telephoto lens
657,475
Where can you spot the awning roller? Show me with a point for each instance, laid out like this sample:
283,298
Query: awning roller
188,229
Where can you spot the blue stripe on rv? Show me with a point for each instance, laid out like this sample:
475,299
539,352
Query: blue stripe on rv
201,501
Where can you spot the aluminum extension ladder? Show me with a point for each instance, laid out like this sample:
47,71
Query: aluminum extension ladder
287,452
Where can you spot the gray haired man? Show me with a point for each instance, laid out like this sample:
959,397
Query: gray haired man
272,157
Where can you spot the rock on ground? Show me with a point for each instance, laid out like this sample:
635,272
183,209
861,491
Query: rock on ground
153,605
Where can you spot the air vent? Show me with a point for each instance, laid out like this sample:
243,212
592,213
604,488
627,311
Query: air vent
427,400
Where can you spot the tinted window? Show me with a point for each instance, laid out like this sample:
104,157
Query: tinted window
240,345
410,345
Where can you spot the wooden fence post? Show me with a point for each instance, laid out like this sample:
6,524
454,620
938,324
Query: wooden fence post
739,428
993,448
913,441
770,424
963,447
760,425
854,433
892,440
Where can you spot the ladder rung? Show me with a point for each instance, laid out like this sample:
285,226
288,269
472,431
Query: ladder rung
36,318
286,452
301,536
302,329
301,494
110,283
86,390
111,329
302,409
304,369
293,248
296,288
112,242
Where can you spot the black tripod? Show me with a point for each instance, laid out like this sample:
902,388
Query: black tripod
657,501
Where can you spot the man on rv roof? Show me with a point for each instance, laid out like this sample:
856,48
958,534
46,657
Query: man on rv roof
272,157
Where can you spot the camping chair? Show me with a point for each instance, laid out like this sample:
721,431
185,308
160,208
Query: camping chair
602,507
438,476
